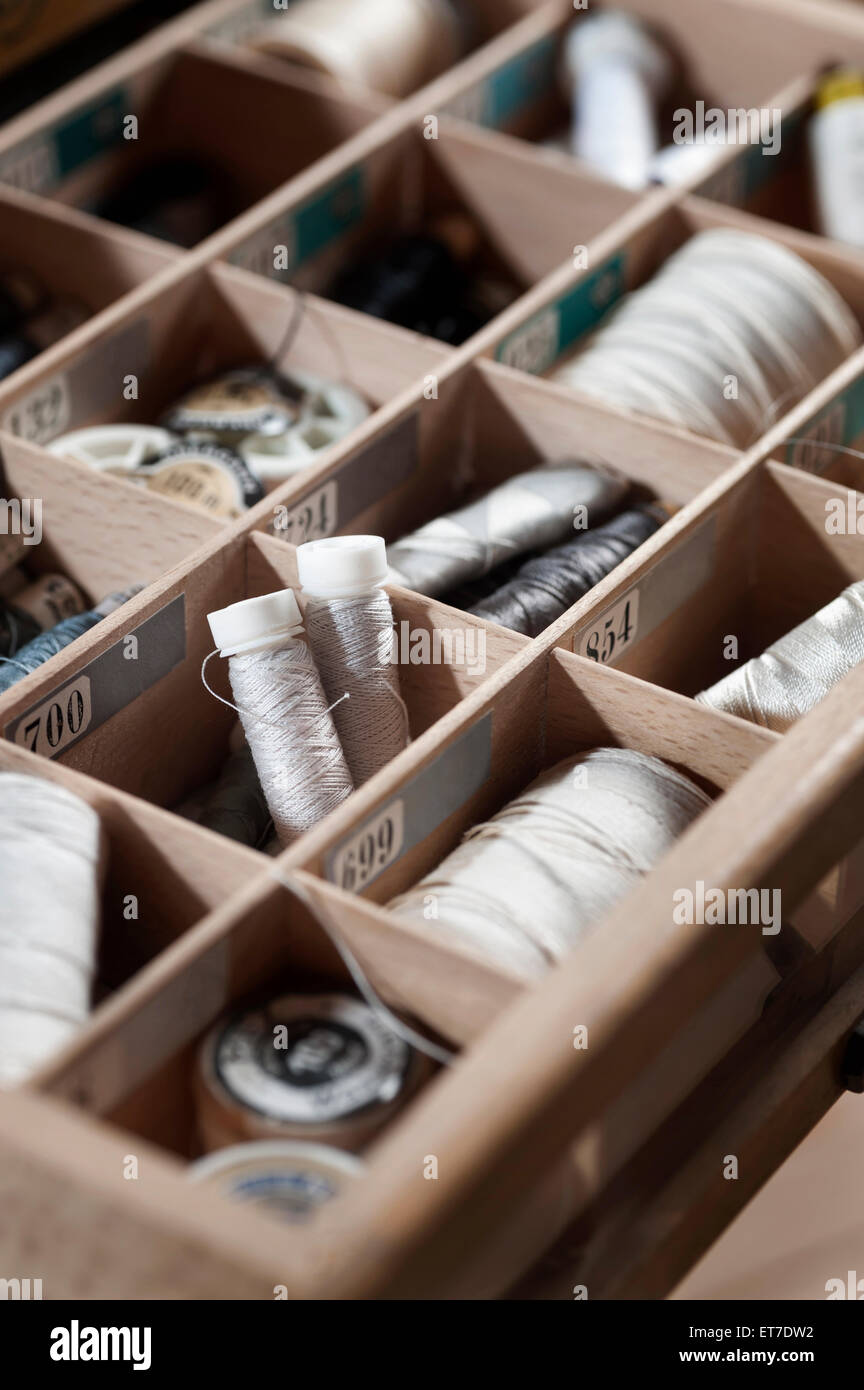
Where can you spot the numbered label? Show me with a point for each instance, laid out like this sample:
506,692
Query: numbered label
612,633
372,850
41,415
310,520
534,347
58,721
32,166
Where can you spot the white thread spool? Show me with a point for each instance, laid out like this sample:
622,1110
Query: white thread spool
349,623
117,449
617,72
796,672
727,309
390,46
328,411
524,888
50,859
278,694
286,1179
530,511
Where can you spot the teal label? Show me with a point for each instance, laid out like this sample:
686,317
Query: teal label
839,422
539,342
297,235
40,163
519,84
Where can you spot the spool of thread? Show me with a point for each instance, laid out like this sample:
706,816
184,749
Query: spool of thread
50,859
349,622
524,888
235,805
617,74
35,653
116,449
836,136
530,511
730,333
389,46
205,476
285,716
35,608
547,586
420,281
328,411
289,1181
320,1068
793,675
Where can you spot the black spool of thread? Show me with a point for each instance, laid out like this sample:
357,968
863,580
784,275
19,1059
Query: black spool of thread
417,283
548,585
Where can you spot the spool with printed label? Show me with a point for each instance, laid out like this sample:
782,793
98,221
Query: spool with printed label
281,1178
322,1068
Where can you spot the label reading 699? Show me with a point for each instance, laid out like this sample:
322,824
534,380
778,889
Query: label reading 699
371,850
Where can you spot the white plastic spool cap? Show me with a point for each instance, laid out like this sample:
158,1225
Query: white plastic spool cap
256,622
342,566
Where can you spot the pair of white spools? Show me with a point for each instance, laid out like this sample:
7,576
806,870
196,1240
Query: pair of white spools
311,744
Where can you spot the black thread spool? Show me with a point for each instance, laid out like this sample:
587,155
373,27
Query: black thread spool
548,585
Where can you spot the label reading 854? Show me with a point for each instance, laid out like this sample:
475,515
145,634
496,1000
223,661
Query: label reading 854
611,633
373,849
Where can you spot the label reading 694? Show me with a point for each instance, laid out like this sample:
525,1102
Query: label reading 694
611,633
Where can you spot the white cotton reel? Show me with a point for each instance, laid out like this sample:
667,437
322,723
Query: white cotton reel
278,695
328,411
617,72
524,888
50,889
118,449
731,332
349,622
796,672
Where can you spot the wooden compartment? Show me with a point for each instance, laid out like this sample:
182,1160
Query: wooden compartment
139,361
168,706
218,111
428,171
159,879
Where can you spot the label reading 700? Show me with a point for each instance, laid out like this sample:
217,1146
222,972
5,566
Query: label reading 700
373,849
611,633
58,721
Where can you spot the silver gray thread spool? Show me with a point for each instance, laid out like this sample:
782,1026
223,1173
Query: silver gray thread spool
50,861
349,623
524,888
530,511
795,673
278,695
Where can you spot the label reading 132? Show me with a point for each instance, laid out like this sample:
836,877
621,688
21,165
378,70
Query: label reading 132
611,633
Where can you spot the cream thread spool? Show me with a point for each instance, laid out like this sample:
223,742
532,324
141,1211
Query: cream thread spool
390,46
50,907
797,671
349,623
320,1068
278,695
526,887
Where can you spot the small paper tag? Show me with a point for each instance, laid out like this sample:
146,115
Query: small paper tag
613,632
424,803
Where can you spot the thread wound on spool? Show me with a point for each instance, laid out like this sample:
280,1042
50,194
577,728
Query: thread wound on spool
50,871
524,888
547,586
796,672
530,511
349,622
731,331
313,1067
